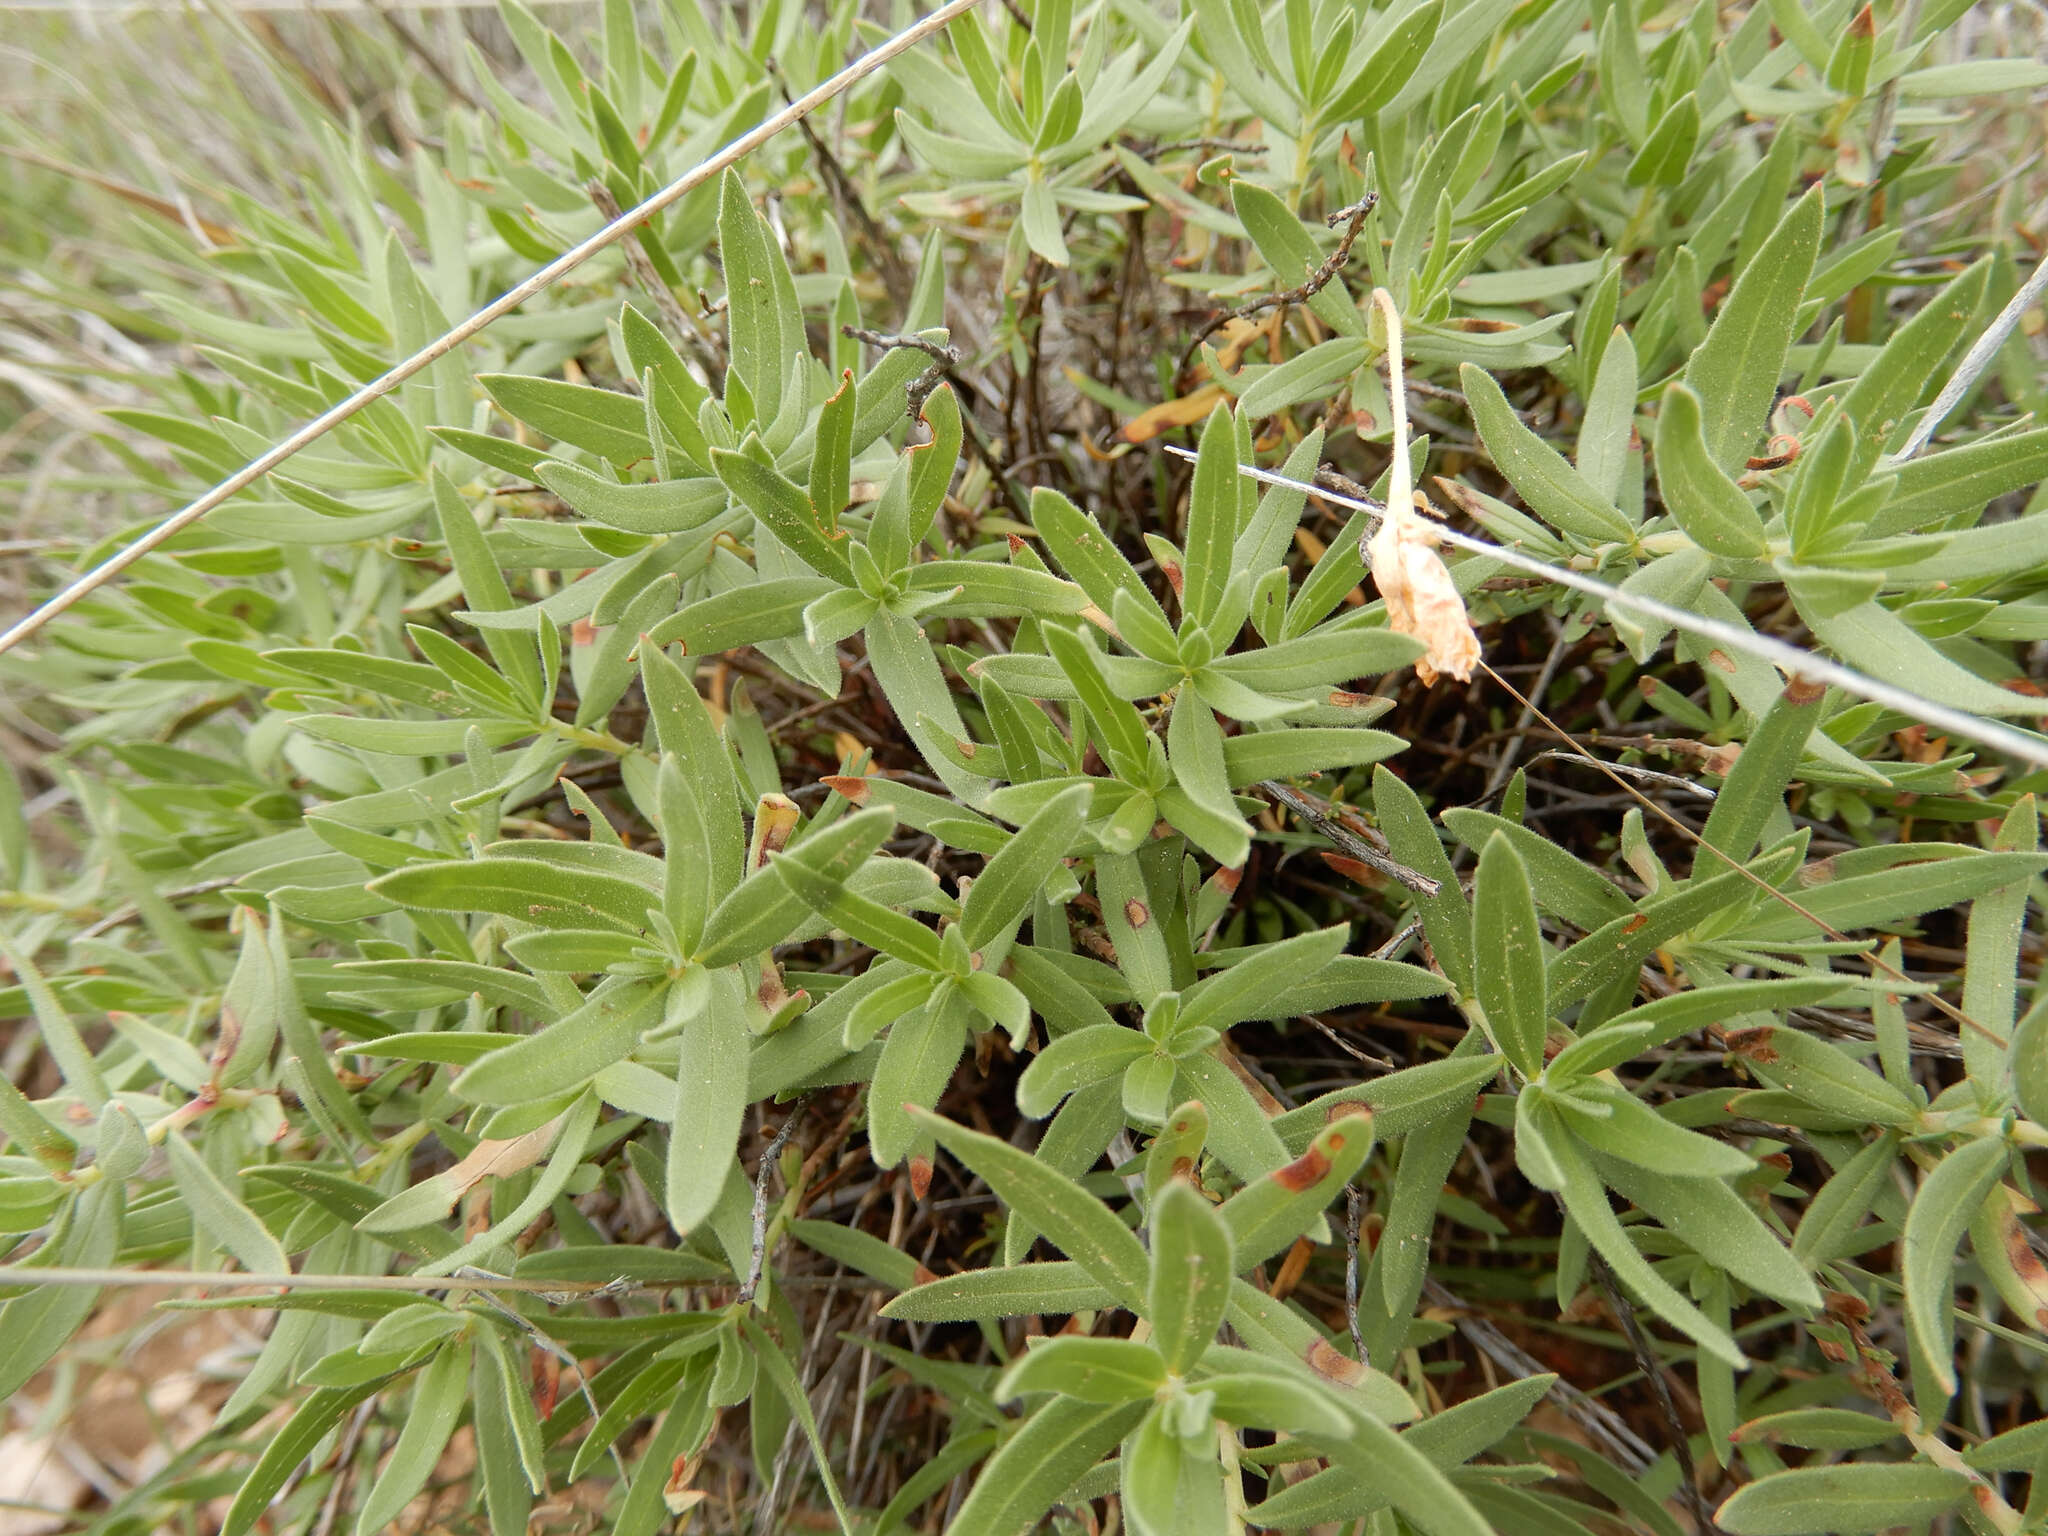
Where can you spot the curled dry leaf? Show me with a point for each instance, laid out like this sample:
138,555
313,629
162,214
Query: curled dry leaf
495,1159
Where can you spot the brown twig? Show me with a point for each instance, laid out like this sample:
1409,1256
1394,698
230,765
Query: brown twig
677,320
1317,815
1873,1376
762,1172
615,229
896,278
1653,1372
944,360
1302,292
1354,1202
1606,1428
1381,1062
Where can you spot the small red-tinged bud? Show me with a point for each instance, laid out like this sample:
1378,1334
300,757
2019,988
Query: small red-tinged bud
225,1042
1846,1307
775,819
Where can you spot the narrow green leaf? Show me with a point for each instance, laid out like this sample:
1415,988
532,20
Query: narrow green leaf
785,511
1243,990
1119,727
1755,789
710,1110
1553,489
1082,1227
219,1213
547,895
612,426
1935,1224
1505,929
570,1051
1586,1200
1735,371
1270,1213
310,1422
1413,1484
1036,1466
1074,1061
436,1404
1192,1262
1107,1371
1708,505
1824,1076
1060,1286
1445,917
1009,881
917,1062
1842,1500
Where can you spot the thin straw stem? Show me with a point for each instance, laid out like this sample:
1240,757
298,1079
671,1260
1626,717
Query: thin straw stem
54,1274
1974,362
503,305
2028,748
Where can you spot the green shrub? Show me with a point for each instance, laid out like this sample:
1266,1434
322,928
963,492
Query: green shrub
747,844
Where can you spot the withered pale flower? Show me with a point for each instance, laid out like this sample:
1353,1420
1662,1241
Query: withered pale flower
1421,599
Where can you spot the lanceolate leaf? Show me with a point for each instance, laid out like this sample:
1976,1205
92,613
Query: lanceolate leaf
711,1106
569,1052
1080,1225
1706,502
1586,1200
1735,370
1191,1268
1505,932
1107,1371
1011,879
1060,1286
1821,1501
1269,1213
1038,1464
1244,990
1076,1060
1940,1214
1755,788
547,895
